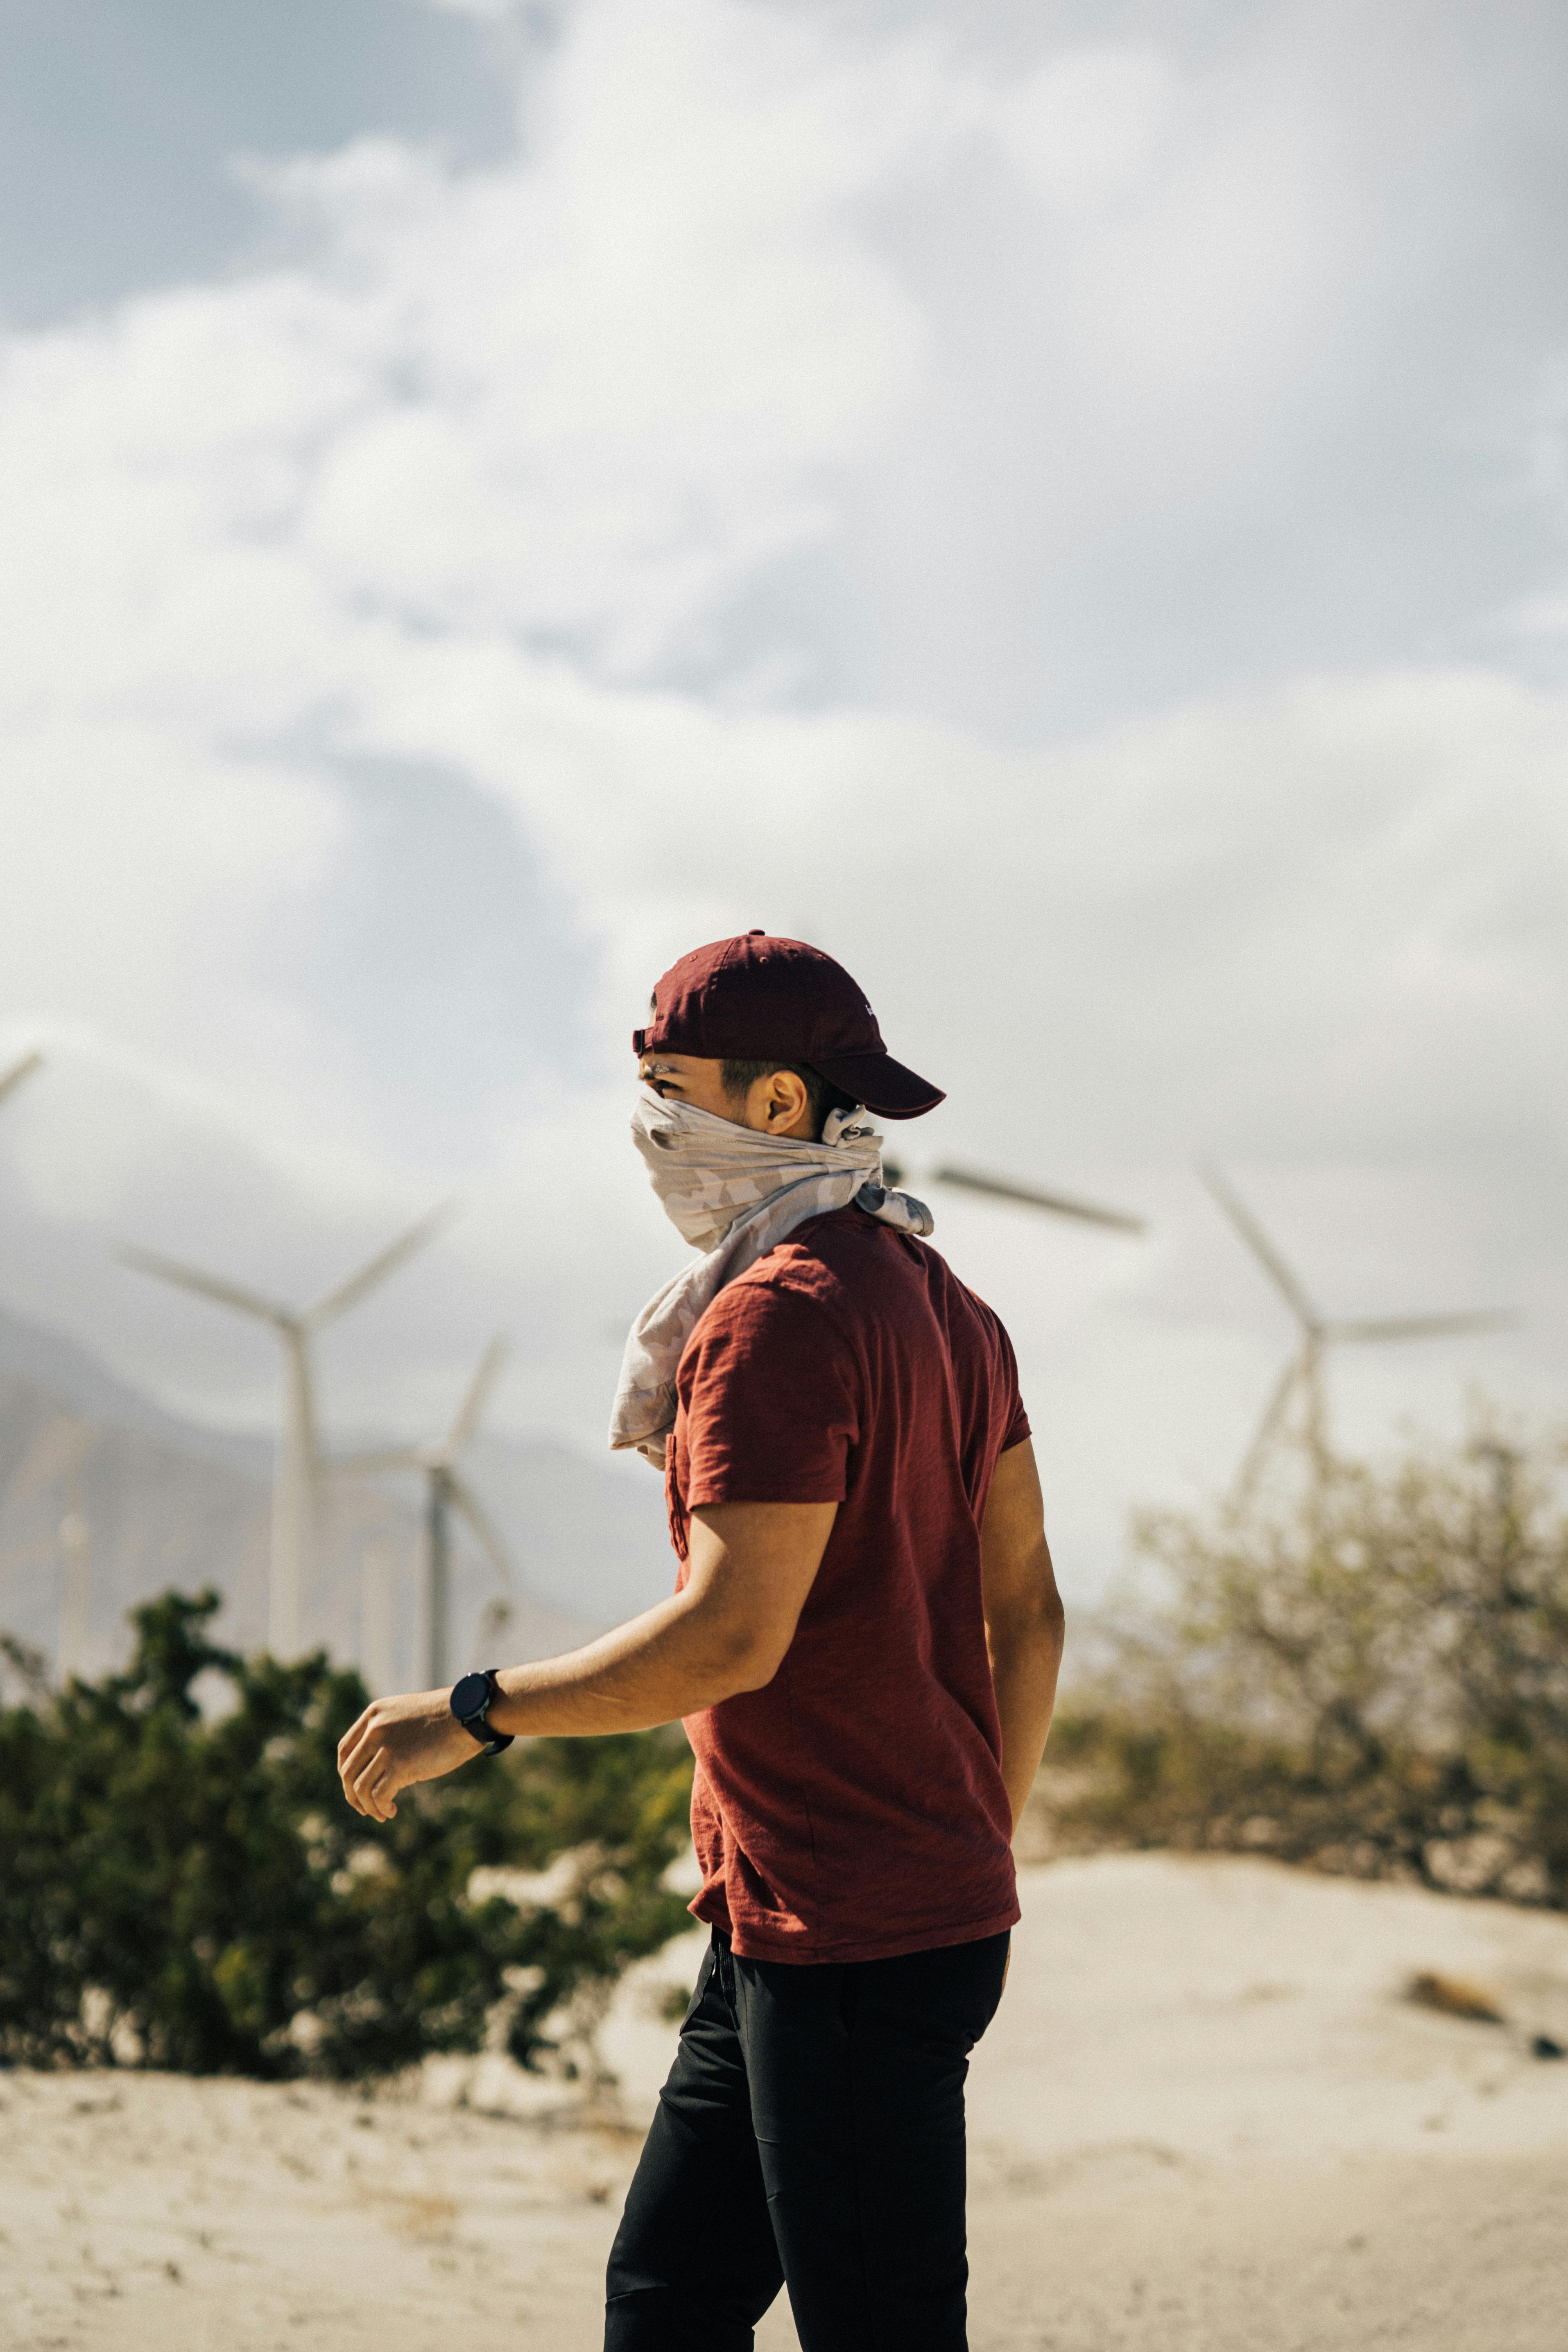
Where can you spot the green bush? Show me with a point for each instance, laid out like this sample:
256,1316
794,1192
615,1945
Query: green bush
1375,1681
190,1890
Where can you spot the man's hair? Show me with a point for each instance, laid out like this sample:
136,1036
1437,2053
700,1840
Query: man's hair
822,1096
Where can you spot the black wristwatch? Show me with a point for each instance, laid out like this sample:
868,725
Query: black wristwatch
472,1697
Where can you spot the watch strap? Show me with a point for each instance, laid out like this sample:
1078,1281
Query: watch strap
477,1722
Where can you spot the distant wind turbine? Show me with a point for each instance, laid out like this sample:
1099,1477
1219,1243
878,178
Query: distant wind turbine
1029,1196
296,1477
1302,1378
19,1073
75,1540
445,1491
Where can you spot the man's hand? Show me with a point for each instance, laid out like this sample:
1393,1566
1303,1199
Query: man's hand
397,1741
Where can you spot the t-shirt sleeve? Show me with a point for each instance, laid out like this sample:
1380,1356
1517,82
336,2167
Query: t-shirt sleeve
1017,1419
770,1393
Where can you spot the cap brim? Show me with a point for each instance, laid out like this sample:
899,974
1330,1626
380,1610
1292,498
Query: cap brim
883,1084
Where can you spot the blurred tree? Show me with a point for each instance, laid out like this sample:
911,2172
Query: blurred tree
1375,1684
187,1888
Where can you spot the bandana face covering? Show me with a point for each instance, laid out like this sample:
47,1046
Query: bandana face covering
734,1195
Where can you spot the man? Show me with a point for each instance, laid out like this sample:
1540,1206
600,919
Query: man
863,1644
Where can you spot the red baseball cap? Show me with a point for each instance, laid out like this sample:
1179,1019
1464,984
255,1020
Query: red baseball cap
740,1000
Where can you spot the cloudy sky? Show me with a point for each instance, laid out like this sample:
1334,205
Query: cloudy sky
1062,504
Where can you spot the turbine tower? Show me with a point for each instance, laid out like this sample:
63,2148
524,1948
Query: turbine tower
297,1473
19,1073
1301,1381
75,1540
445,1491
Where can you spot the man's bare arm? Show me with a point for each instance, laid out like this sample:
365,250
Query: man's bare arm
752,1567
1024,1623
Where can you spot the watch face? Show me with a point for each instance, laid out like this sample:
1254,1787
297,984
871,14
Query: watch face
469,1694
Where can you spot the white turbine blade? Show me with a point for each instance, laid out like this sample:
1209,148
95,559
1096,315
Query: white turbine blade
1426,1326
478,1396
364,1465
19,1072
464,1499
349,1293
1262,1248
1058,1204
206,1285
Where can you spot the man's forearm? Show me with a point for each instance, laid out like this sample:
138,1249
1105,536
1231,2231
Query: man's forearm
669,1661
750,1567
1026,1659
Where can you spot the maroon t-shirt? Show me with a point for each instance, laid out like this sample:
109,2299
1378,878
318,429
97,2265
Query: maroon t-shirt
854,1809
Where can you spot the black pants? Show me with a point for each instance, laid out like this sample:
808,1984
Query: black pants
810,2132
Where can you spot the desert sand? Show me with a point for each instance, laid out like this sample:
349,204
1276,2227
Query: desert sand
1205,2119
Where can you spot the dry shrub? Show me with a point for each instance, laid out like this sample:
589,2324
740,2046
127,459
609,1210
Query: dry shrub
1374,1680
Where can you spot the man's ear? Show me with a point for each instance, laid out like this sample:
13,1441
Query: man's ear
788,1102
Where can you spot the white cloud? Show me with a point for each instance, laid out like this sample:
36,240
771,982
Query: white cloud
478,483
485,12
605,382
1085,128
135,860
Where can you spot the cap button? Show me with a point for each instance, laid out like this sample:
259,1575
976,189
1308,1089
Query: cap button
758,934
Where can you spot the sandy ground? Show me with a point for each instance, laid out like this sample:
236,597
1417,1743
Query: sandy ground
1204,2119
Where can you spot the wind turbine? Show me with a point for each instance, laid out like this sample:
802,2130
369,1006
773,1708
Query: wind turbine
297,1468
1302,1377
1001,1188
75,1540
445,1491
19,1073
